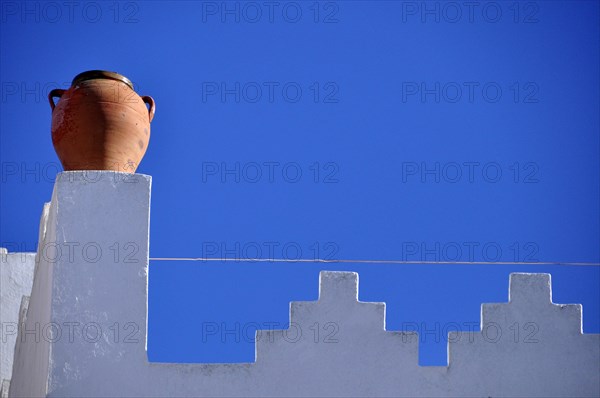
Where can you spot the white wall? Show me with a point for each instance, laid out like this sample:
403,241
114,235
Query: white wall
93,294
16,278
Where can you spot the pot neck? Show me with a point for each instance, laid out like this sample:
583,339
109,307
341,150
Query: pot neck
100,74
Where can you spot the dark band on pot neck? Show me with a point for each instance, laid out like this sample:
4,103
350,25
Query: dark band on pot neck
101,74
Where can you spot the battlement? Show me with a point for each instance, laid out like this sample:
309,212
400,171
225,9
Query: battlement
527,346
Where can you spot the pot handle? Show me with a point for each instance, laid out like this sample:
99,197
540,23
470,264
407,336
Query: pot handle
148,100
57,92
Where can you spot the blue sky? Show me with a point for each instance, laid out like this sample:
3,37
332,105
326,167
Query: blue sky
342,130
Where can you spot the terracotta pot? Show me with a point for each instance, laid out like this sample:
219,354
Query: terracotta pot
100,123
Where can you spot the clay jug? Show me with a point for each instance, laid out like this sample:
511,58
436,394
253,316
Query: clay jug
100,123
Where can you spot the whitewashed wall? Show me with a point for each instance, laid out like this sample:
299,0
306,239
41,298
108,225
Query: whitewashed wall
16,280
77,301
16,277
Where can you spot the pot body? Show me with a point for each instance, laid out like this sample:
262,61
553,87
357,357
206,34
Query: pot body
100,124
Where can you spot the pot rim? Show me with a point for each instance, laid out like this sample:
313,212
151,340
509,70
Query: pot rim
101,74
